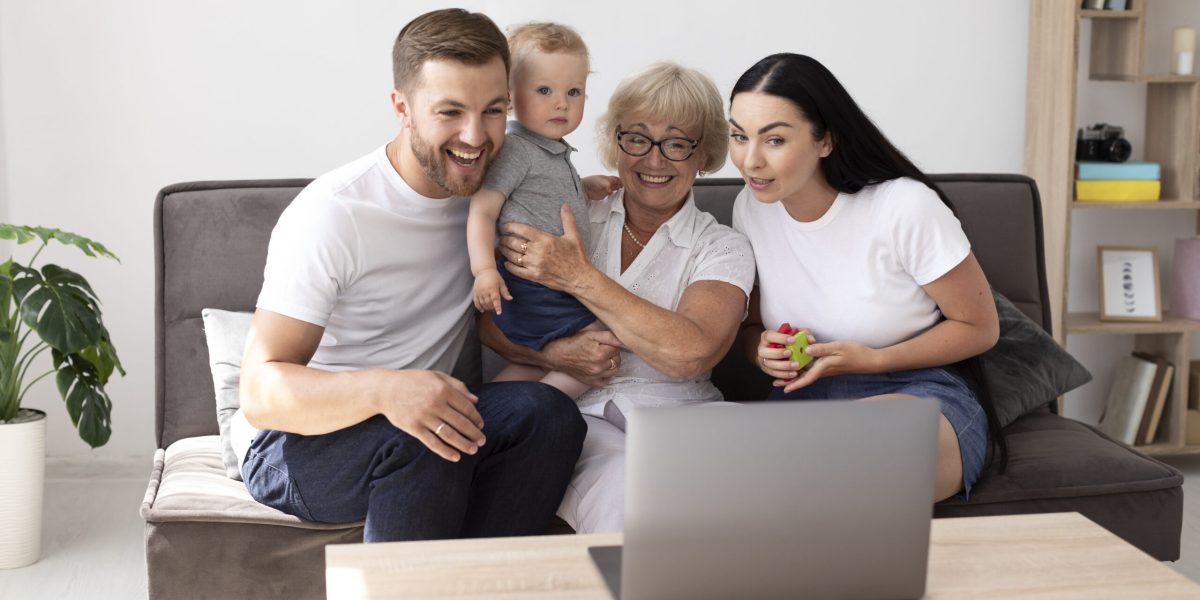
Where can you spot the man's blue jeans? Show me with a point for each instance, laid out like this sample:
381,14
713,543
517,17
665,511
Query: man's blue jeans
376,472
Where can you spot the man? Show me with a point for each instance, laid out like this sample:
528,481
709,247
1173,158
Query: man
364,310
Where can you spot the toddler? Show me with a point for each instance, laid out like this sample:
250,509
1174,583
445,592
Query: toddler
528,183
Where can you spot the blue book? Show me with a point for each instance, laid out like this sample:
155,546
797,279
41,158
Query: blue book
1086,169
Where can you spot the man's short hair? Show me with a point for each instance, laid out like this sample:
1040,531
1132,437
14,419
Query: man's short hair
682,96
447,34
544,37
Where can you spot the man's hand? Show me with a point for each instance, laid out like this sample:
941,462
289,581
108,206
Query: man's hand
592,357
489,287
433,407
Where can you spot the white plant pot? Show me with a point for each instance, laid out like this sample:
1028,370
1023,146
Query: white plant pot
22,472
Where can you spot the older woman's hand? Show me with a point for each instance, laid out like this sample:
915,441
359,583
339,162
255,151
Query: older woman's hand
558,263
592,357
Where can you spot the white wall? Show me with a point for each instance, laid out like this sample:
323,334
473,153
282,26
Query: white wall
1120,103
103,103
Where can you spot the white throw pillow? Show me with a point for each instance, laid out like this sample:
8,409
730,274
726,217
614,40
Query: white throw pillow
225,331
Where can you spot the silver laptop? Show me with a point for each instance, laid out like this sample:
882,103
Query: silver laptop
776,500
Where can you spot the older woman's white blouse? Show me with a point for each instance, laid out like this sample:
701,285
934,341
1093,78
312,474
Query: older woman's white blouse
691,246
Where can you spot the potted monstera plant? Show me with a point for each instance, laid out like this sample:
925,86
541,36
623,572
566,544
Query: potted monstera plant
47,308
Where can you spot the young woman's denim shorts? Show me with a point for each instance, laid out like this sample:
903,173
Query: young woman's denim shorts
946,384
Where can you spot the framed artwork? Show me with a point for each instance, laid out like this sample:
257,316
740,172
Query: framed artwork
1129,286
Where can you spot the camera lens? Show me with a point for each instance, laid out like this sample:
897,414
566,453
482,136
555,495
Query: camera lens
1117,150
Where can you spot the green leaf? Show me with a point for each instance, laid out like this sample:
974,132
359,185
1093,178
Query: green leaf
6,293
88,404
103,357
15,232
62,310
25,233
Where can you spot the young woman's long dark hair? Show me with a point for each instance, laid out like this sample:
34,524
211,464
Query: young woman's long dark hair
861,155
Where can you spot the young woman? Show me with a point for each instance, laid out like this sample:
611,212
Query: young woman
859,249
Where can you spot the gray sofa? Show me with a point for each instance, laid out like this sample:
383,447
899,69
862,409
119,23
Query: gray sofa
205,537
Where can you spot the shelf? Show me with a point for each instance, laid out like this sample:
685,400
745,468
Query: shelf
1168,78
1090,323
1172,118
1111,14
1165,204
1167,449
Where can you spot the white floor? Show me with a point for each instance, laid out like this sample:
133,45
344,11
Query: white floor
92,541
92,544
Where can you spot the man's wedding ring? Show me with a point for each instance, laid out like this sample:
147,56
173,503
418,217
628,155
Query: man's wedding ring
438,431
612,363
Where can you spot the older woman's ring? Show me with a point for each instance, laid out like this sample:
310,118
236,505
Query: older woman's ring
612,363
521,260
524,247
438,430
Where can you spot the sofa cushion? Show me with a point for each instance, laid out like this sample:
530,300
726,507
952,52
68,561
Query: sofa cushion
207,538
1026,369
189,484
1056,464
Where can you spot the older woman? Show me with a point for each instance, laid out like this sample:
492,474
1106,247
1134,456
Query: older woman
669,282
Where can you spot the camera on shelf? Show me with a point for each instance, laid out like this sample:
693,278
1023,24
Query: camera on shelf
1102,142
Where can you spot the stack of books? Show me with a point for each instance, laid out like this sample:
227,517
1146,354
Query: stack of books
1117,182
1136,398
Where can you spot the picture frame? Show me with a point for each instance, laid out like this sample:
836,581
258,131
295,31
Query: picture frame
1129,283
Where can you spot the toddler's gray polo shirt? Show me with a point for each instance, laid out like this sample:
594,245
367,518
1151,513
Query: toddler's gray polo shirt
535,174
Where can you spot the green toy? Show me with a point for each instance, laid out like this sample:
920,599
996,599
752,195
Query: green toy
797,347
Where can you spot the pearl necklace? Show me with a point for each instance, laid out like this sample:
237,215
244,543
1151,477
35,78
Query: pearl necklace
633,237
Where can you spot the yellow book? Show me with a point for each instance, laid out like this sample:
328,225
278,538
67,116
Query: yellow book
1124,190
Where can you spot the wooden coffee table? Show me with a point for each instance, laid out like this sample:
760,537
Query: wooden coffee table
1062,555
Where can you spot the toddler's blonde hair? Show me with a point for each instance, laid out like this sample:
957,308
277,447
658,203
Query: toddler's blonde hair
544,37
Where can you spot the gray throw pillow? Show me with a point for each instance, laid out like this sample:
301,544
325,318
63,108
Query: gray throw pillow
1026,369
225,332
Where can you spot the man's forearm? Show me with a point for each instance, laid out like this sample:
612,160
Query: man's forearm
303,400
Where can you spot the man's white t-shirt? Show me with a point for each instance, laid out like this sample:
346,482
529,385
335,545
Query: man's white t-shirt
854,274
382,268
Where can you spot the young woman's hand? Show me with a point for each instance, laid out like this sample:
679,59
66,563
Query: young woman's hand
834,358
777,362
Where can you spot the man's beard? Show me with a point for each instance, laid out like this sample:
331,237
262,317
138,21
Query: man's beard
433,163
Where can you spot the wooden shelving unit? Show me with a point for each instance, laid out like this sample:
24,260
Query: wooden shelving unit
1163,204
1172,140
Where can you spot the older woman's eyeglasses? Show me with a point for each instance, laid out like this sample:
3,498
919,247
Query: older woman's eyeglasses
675,149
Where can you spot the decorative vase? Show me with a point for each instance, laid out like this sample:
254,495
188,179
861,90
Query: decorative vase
22,472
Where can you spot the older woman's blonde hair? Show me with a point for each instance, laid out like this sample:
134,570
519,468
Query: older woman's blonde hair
683,97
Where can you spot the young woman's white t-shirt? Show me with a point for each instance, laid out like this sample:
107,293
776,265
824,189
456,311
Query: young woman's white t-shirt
854,274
